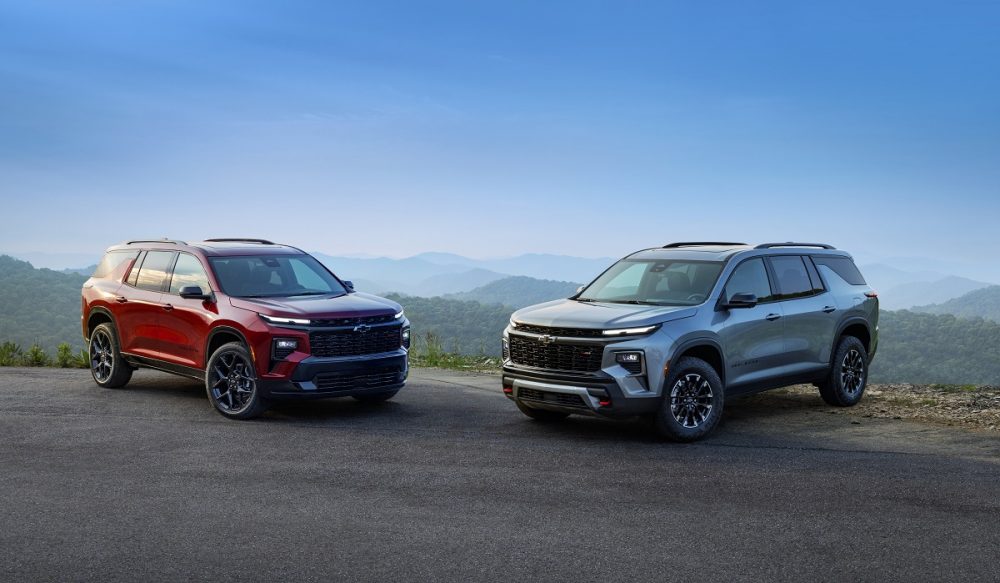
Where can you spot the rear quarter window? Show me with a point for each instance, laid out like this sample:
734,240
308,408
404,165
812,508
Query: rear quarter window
114,264
843,266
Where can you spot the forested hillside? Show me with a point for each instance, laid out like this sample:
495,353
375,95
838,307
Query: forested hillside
518,291
461,326
39,305
928,348
981,303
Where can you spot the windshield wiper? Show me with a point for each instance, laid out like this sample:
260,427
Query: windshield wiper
586,300
310,293
635,302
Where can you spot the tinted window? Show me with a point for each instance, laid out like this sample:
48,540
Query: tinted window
793,279
843,267
188,272
274,276
662,282
817,283
750,278
114,264
153,273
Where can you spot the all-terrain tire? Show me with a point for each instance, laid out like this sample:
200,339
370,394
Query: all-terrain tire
107,365
693,397
848,374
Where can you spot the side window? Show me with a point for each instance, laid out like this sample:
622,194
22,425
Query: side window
843,267
817,283
749,277
134,274
153,273
793,279
187,272
114,264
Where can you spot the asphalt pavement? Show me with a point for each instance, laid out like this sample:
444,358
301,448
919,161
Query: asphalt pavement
450,482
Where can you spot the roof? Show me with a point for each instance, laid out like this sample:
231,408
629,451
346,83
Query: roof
215,247
714,251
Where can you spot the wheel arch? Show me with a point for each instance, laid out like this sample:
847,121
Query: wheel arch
223,335
706,349
856,327
99,315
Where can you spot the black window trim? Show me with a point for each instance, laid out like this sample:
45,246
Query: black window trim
166,280
781,296
173,265
770,281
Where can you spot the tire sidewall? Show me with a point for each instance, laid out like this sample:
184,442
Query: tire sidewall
664,419
117,377
840,392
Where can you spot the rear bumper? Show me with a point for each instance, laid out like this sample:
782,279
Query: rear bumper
591,394
317,377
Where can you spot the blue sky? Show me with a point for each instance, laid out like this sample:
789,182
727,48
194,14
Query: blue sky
498,128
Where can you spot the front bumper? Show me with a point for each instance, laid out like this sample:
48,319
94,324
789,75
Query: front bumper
316,377
587,394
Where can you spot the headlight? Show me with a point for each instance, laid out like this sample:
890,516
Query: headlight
405,338
399,315
277,320
631,331
282,347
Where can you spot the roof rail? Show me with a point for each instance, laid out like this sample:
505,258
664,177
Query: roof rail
699,244
260,241
790,244
164,240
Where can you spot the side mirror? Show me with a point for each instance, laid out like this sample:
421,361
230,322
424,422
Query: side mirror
741,300
349,284
193,292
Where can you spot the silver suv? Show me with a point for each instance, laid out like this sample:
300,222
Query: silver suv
671,332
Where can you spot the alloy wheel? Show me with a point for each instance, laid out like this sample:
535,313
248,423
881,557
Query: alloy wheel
691,400
852,371
102,356
233,382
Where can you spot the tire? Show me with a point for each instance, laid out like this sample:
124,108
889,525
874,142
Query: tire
376,398
107,365
231,383
543,415
848,375
693,397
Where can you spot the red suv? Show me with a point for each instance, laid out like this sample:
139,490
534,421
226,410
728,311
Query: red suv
254,320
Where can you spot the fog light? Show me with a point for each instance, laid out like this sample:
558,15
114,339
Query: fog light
630,361
282,347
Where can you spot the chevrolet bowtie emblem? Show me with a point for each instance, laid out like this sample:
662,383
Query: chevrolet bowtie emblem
362,328
547,339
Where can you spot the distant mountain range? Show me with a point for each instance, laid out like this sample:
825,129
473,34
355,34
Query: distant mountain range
435,274
899,289
518,291
981,303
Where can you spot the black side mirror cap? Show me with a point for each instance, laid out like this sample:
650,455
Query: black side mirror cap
741,300
193,292
349,284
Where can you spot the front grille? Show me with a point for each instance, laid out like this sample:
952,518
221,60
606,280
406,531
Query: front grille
351,343
381,377
576,357
565,332
337,322
561,399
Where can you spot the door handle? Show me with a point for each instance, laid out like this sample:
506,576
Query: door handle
121,299
167,307
829,309
772,317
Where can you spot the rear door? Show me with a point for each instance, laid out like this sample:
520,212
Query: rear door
809,313
752,338
140,308
186,322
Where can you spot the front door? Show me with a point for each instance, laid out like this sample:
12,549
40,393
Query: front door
752,338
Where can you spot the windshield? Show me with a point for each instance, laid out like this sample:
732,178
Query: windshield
269,276
661,282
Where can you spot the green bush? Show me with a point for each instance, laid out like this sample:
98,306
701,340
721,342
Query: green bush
10,354
36,356
66,359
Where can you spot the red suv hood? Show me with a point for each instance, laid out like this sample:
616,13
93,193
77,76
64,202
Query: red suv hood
345,306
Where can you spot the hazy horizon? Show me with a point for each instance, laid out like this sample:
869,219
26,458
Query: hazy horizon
496,129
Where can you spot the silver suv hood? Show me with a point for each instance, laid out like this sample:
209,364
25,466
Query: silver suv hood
574,314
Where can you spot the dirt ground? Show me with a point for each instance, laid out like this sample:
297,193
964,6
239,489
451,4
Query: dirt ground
967,406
